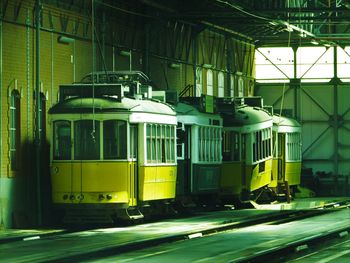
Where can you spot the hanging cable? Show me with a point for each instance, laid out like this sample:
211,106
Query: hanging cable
93,67
282,100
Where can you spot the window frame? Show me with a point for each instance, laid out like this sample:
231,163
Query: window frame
221,85
210,82
160,142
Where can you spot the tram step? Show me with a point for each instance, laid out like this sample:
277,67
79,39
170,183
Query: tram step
134,214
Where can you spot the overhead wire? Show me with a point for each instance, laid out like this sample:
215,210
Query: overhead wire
243,11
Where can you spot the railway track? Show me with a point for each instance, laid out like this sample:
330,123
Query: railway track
81,247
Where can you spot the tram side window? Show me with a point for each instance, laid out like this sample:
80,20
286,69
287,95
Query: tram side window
275,144
114,139
200,144
226,142
262,145
133,141
160,140
235,146
294,147
62,140
160,144
217,144
86,140
231,146
169,144
180,142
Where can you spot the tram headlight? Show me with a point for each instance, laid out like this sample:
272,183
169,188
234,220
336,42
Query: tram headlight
109,196
101,197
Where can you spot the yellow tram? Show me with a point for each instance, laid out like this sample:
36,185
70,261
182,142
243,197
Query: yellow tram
112,153
286,166
247,151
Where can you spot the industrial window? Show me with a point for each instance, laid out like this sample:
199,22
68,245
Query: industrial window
14,129
199,82
343,63
209,144
261,145
232,86
294,147
240,87
114,139
274,64
210,82
313,64
221,85
160,140
87,140
231,141
62,140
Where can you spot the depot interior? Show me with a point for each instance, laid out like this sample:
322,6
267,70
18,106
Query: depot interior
294,54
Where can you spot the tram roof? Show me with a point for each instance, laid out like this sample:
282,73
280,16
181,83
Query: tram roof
110,104
246,115
282,122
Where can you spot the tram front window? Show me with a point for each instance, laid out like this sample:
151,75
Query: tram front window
86,140
114,139
62,140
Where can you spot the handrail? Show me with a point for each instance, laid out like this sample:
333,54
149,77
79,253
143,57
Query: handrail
188,91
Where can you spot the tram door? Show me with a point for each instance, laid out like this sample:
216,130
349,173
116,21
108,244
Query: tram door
281,156
244,159
133,165
188,159
183,162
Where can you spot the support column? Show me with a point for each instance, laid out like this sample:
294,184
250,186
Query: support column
37,110
1,205
295,85
335,82
194,36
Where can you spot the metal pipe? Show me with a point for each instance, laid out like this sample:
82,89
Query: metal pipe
28,51
37,112
52,67
229,61
1,214
74,69
113,58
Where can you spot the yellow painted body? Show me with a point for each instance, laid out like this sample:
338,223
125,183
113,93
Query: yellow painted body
157,182
274,180
233,180
259,180
291,172
92,179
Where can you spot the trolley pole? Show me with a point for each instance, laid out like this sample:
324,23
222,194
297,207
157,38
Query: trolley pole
37,111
